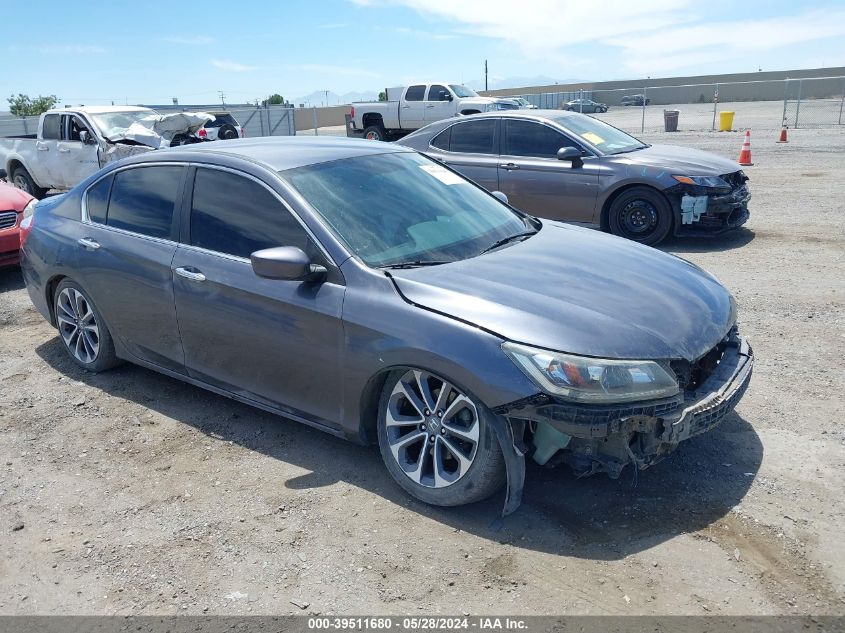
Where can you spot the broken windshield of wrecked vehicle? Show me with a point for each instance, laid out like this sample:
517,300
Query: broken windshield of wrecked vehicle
606,138
113,125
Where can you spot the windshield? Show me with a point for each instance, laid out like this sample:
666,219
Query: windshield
462,91
115,124
397,208
599,134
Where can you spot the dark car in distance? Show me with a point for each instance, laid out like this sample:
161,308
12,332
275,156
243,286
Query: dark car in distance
575,168
584,106
635,100
368,291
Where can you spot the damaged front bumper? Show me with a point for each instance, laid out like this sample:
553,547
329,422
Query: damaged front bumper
596,438
700,211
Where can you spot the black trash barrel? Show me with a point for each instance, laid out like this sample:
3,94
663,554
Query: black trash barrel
670,120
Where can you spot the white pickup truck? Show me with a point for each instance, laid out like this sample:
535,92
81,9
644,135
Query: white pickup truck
73,143
408,109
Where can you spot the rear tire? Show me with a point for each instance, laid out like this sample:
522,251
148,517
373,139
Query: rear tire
375,133
82,330
441,450
23,181
640,214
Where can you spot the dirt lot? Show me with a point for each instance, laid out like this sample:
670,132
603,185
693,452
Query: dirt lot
130,493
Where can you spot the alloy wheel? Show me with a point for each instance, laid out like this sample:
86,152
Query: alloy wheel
78,325
433,429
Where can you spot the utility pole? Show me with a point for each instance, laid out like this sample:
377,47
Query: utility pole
327,97
485,75
222,98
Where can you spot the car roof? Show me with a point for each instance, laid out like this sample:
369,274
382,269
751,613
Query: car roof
277,152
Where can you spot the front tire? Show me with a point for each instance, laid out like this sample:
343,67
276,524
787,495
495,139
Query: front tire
640,214
86,338
23,181
436,440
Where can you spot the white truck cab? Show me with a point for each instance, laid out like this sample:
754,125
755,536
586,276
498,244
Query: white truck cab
415,106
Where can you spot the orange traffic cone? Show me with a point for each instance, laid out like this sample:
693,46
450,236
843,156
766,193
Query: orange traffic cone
745,154
783,138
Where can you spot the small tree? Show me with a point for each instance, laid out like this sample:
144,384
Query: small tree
24,105
382,96
275,99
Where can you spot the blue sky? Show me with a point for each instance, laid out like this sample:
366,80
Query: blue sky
97,52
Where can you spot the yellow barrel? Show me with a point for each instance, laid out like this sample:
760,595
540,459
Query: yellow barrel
726,120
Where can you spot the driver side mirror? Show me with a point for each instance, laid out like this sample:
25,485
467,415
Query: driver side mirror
572,154
86,138
287,263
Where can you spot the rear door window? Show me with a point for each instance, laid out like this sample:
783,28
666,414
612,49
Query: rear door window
441,141
143,199
97,200
235,215
474,137
415,93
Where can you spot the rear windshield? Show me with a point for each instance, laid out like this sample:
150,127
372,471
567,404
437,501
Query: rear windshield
222,119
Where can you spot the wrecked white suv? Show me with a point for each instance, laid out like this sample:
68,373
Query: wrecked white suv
73,143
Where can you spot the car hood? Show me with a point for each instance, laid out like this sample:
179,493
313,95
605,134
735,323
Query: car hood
679,160
13,198
580,291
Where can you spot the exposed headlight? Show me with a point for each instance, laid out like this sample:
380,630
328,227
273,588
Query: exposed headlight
594,380
714,182
29,209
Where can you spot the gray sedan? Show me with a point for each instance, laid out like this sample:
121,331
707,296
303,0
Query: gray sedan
575,168
365,290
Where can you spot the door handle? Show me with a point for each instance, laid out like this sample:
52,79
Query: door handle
193,275
42,148
64,150
405,107
509,166
431,106
88,243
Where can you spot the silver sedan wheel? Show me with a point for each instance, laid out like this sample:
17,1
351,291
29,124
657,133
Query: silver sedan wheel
77,325
432,429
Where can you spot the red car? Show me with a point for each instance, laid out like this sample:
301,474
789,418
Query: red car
14,205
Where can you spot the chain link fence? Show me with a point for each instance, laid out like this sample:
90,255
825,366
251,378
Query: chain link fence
811,102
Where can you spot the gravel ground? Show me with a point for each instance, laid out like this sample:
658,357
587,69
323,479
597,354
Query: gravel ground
132,493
